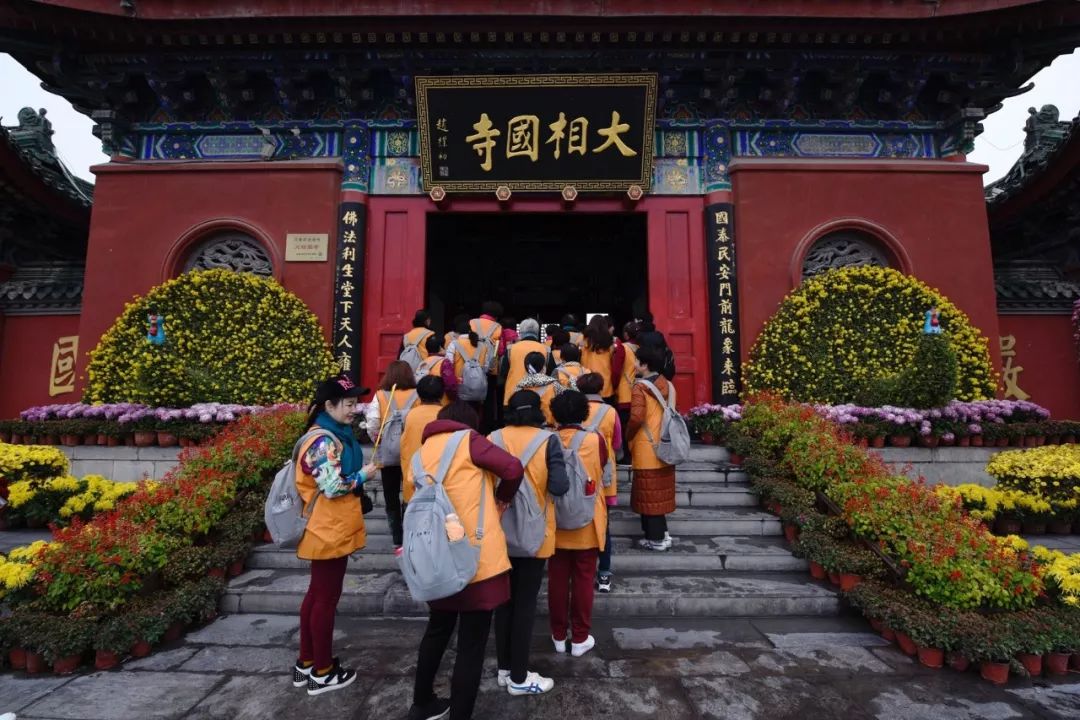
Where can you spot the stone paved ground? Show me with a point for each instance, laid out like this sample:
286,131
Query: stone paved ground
660,669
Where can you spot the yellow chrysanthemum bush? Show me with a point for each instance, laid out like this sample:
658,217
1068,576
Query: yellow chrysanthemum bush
841,331
229,337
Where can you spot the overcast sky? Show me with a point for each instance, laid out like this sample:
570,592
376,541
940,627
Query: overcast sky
998,146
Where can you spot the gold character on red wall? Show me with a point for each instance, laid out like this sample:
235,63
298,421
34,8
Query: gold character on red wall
62,373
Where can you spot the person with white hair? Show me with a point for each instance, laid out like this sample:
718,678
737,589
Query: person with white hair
513,366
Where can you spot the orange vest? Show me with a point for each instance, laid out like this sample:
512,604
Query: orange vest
642,452
483,325
433,365
466,347
411,439
419,335
336,525
515,368
599,361
563,373
517,438
577,338
607,429
547,394
467,486
590,536
629,374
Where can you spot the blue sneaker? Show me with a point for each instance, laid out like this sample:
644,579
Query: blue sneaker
535,684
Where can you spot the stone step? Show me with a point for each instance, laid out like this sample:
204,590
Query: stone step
688,554
698,521
666,594
686,495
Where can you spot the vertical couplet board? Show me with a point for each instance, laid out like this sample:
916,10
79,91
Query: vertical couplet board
723,302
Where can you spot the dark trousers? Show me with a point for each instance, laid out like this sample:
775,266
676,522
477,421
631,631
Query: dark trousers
514,620
391,485
605,554
624,421
490,419
570,592
318,609
473,632
654,527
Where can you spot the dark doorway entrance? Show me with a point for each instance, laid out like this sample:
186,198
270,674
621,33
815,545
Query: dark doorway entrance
540,265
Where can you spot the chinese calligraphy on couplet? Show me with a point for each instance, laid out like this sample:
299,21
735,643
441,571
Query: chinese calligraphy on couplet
723,308
350,254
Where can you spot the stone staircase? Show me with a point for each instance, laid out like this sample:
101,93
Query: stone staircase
729,560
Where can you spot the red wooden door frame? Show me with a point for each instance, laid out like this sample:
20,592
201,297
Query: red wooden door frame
396,258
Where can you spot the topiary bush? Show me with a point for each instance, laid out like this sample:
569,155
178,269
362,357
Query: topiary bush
929,381
838,332
229,337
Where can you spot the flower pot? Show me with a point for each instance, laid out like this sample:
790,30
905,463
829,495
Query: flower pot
976,441
5,436
887,634
906,643
791,532
236,567
877,625
878,441
816,571
1057,663
1034,527
50,440
67,665
1001,442
1031,663
863,442
15,439
17,658
113,441
963,441
735,459
707,438
931,657
948,442
90,439
1034,441
958,662
849,581
145,439
1059,527
166,439
900,440
1007,526
70,440
102,439
105,660
140,649
266,536
218,572
1074,662
35,663
834,578
929,441
173,633
995,672
30,440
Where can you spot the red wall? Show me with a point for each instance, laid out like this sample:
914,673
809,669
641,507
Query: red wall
1046,352
146,217
931,214
26,348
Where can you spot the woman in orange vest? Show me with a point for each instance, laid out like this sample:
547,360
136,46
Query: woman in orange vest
653,492
418,336
569,368
543,385
460,320
629,374
572,569
604,419
478,468
601,355
555,337
465,345
490,332
399,374
330,480
430,393
513,365
546,471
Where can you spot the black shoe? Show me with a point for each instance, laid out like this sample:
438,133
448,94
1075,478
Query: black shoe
300,674
434,710
336,679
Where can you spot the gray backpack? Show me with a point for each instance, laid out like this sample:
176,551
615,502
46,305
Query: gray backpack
390,444
488,344
426,367
433,566
474,376
411,352
561,371
524,523
575,509
284,512
674,445
594,426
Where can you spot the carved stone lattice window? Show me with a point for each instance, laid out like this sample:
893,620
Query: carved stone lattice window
231,251
843,248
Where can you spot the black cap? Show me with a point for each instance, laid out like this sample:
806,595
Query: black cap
339,388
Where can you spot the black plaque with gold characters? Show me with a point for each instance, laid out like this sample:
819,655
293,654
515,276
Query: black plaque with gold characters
537,132
348,275
724,302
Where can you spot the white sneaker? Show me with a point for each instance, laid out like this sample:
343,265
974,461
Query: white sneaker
535,684
668,541
504,678
579,649
560,645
